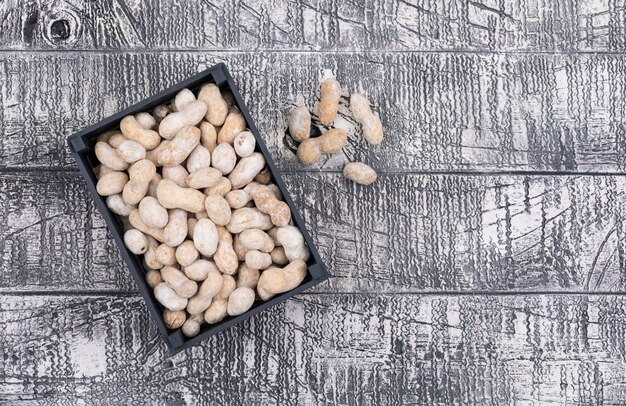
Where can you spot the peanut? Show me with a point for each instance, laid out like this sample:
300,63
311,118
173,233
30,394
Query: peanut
150,258
220,188
132,130
116,204
205,237
293,243
183,286
360,173
153,278
175,231
247,277
244,144
216,311
177,173
267,203
246,170
191,115
300,124
168,297
131,151
191,225
362,113
224,158
172,196
112,183
152,213
207,291
140,173
240,250
258,260
237,198
276,280
208,139
217,209
278,256
205,177
136,241
153,154
274,188
199,269
174,318
117,139
255,239
160,112
247,218
146,121
179,147
182,99
186,253
310,151
154,183
166,255
217,109
233,125
225,257
109,157
192,325
228,286
136,221
199,158
330,92
240,301
264,177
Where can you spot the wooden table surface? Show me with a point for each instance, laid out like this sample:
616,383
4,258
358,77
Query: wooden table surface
486,266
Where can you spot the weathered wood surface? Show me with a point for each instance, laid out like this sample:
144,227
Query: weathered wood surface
405,233
321,349
507,25
441,111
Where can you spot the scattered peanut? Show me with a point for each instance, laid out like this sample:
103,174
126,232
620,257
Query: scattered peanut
362,113
112,183
168,297
360,173
300,124
205,237
330,142
175,231
186,253
180,146
182,99
183,286
208,139
225,256
330,92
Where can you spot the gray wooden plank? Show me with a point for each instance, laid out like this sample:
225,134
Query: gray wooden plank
441,112
322,349
405,233
506,25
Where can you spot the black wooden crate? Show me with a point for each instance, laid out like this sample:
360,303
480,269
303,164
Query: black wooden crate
82,145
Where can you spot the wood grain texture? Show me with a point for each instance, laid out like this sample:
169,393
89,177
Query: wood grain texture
483,25
441,112
321,349
405,233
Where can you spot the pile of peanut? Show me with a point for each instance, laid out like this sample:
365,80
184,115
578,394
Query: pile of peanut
332,141
199,204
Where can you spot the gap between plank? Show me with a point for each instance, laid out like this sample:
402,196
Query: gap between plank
97,293
256,51
13,170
